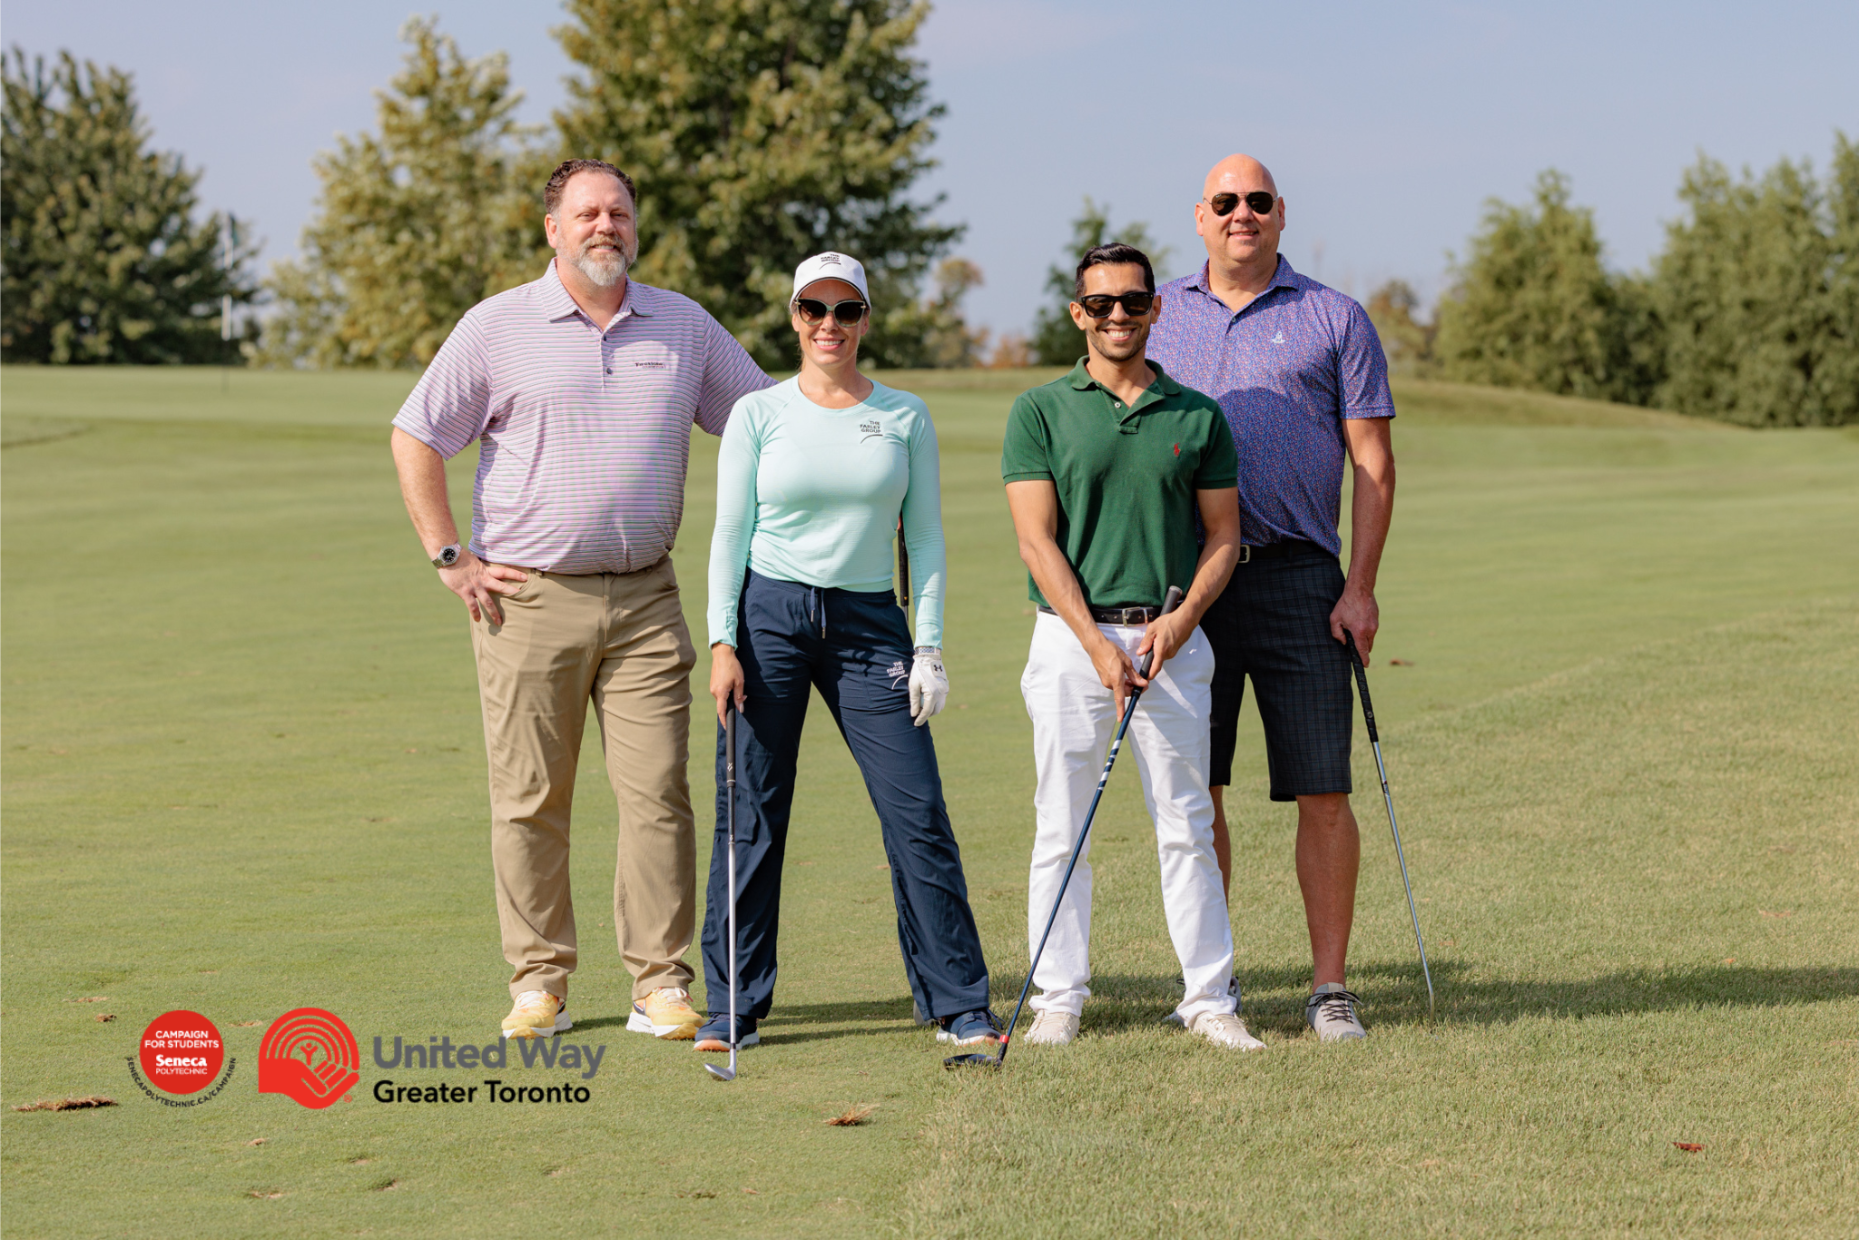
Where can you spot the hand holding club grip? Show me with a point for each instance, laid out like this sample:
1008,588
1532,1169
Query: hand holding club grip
1171,601
1362,686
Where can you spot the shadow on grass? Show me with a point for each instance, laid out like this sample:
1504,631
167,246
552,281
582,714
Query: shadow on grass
1394,994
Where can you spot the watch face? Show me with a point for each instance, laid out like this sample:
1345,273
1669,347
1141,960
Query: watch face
448,557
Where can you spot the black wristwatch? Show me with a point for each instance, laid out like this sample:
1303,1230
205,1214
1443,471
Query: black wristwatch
448,556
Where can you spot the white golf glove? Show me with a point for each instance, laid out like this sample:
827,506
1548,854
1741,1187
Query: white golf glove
929,686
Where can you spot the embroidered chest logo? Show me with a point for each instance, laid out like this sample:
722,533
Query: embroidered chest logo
1178,449
870,430
651,365
1278,337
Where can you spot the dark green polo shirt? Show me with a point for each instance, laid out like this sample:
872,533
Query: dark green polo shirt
1126,479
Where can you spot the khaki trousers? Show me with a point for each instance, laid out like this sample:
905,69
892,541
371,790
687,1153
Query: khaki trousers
620,639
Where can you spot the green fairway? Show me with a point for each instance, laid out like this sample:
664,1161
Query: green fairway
244,773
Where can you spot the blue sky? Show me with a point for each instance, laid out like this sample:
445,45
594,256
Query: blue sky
1387,126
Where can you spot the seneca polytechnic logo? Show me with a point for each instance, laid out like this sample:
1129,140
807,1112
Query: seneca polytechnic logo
180,1053
310,1056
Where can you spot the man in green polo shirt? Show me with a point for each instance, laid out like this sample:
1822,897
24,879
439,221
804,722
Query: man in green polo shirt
1105,471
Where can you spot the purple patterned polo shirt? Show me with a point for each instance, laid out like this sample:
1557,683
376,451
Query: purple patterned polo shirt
1286,370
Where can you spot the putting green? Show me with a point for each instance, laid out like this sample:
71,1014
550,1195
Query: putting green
244,774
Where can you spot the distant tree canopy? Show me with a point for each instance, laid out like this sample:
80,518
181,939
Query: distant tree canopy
760,132
417,225
1756,293
1056,341
101,256
1748,314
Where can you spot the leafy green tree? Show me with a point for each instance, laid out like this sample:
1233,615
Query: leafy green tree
418,224
1056,341
102,257
1407,342
1757,292
1534,307
935,334
760,132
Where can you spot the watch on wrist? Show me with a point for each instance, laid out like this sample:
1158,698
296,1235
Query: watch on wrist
448,556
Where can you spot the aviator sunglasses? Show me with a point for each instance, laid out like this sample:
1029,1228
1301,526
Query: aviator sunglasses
1136,305
845,313
1259,202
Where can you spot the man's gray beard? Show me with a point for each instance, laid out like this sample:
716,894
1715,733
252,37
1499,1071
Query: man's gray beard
601,274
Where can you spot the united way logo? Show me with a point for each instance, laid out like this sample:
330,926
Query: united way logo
310,1056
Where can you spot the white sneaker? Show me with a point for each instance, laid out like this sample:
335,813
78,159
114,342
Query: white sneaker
1331,1010
1225,1029
1233,988
1052,1029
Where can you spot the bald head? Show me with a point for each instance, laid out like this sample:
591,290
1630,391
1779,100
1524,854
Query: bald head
1239,218
1238,174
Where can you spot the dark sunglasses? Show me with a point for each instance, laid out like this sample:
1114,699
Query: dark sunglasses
1136,305
1259,202
845,313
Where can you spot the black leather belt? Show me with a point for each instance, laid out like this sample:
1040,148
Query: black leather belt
1278,550
1130,616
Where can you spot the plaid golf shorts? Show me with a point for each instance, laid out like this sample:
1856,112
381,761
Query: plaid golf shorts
1272,623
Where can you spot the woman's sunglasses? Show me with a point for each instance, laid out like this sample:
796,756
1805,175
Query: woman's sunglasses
1259,202
845,313
1136,305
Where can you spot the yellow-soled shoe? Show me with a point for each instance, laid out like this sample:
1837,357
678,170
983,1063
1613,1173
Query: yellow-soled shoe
537,1014
665,1013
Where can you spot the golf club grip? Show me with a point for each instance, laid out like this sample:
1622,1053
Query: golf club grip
904,572
1171,601
1362,686
729,744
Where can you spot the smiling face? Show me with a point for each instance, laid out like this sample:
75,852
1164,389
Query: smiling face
829,342
593,229
1243,237
1118,337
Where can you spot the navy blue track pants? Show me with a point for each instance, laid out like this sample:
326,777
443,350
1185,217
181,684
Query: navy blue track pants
854,648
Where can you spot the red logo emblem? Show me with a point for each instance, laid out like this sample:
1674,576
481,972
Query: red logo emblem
310,1055
1178,449
181,1052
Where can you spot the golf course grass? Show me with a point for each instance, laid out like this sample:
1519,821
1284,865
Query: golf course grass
243,773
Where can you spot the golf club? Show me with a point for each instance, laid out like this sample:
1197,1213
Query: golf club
1375,743
904,573
1170,603
729,818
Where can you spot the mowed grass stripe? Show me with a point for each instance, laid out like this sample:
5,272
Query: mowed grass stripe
244,773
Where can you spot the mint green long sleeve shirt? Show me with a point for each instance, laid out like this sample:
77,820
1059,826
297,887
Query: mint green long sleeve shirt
815,495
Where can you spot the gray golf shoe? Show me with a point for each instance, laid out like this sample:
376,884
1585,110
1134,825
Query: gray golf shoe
1331,1010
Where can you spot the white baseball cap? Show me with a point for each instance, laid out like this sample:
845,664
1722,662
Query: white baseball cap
830,266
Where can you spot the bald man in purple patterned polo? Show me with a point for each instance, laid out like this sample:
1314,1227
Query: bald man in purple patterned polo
1299,372
580,389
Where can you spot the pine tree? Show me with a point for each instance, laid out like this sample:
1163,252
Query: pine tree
1756,291
103,258
1057,341
417,224
760,132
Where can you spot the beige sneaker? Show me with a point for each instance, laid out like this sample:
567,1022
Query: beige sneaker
537,1014
1225,1029
665,1013
1052,1029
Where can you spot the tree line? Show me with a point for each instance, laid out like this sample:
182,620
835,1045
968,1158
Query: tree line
761,131
1747,314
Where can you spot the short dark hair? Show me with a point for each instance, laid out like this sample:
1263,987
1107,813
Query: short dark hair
1116,252
558,180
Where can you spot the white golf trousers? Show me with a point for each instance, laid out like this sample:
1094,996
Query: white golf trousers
1074,718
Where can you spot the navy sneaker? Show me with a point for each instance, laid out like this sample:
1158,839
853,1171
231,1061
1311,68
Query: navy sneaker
714,1033
970,1028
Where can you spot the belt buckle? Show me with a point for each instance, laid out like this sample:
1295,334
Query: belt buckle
1246,555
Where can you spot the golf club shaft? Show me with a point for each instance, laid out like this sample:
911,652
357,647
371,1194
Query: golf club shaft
1170,602
729,817
904,573
1382,773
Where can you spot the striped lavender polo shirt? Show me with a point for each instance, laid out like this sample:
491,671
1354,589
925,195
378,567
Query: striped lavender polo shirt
586,433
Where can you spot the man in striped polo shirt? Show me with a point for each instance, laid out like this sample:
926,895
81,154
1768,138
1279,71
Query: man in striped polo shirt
581,389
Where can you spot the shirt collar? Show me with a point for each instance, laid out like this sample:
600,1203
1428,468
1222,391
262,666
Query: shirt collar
1164,387
557,304
1282,277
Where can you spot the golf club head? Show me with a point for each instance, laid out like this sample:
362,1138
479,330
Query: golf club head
722,1074
971,1061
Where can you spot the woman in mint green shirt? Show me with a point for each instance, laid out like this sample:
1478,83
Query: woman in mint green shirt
814,478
